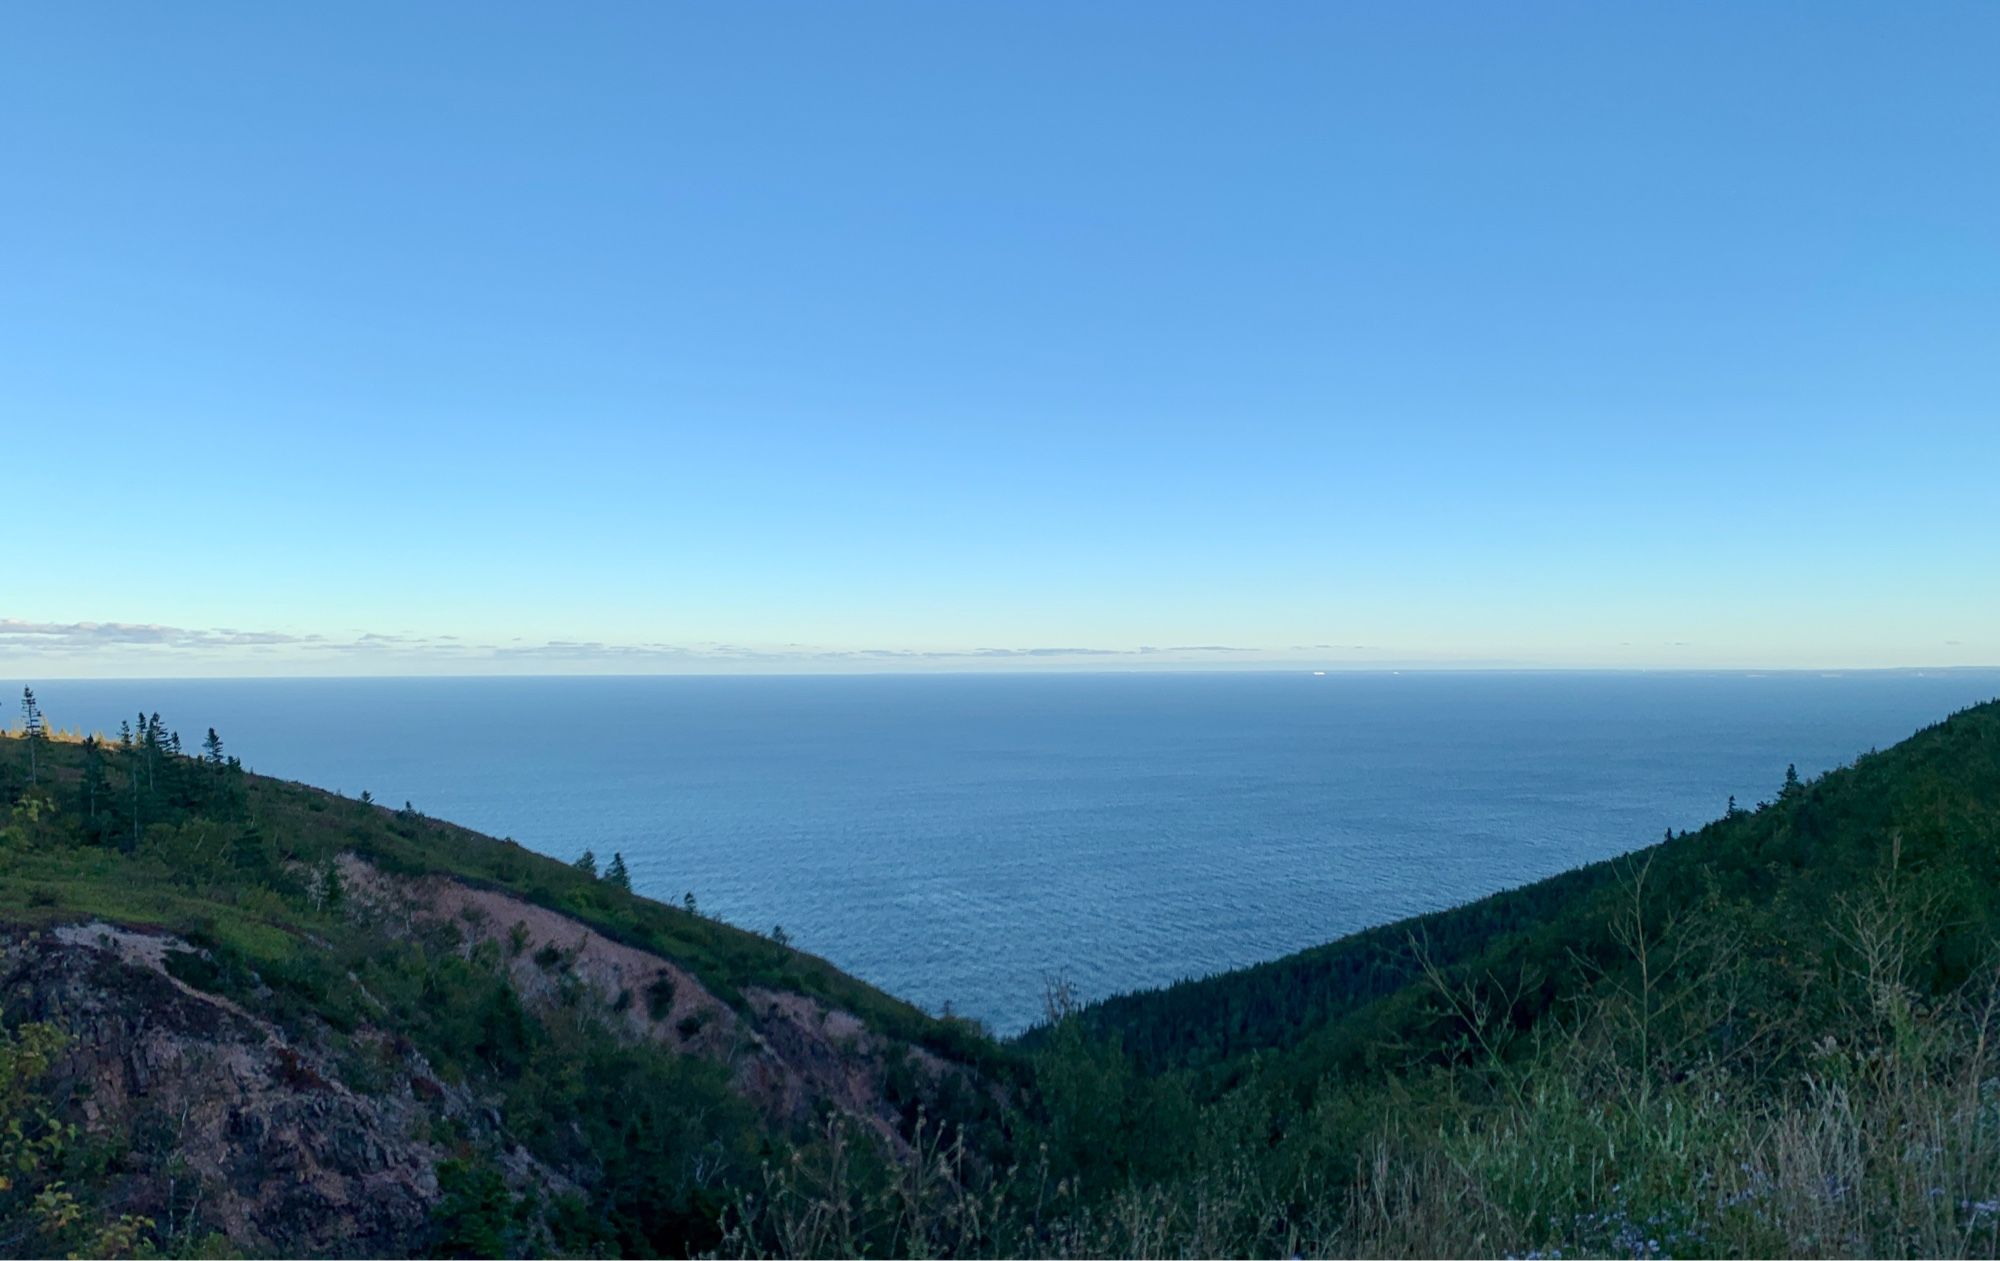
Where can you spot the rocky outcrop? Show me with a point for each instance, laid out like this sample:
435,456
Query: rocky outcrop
216,1116
789,1054
291,1141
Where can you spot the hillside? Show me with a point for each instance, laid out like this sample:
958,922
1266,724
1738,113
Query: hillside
283,1021
1772,1036
296,1023
1932,805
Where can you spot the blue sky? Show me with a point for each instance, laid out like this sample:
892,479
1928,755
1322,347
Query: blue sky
382,338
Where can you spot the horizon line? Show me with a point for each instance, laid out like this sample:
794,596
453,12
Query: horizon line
1302,669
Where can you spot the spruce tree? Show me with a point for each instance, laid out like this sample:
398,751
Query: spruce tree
248,850
213,745
94,784
616,875
152,741
32,730
132,773
587,864
1792,787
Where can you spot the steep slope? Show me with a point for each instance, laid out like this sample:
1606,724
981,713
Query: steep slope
1774,1036
1929,809
295,1023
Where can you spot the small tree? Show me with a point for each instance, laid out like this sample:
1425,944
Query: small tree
587,864
616,874
42,1213
133,776
687,903
213,748
1792,787
779,935
248,851
32,730
94,783
153,739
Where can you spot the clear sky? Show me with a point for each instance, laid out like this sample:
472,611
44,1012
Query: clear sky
486,337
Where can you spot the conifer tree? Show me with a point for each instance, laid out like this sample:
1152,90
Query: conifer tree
213,745
132,773
616,875
586,863
1792,787
32,730
248,851
94,784
152,741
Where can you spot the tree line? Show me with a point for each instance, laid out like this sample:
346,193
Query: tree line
125,786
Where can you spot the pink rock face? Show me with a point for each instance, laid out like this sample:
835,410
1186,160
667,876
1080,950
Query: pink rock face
290,1153
786,1052
286,1156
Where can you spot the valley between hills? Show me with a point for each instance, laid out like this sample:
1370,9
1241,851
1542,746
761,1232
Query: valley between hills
244,1016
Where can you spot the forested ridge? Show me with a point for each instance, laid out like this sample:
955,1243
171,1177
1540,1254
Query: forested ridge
1770,1035
1929,804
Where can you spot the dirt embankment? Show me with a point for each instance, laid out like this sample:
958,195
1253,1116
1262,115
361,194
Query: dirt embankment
786,1052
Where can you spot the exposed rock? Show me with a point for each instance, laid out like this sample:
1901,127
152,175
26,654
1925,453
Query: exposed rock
221,1113
786,1052
224,1120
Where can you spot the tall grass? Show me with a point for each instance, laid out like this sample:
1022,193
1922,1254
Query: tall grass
1664,1114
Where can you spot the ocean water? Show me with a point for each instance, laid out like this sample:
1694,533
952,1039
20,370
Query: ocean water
959,839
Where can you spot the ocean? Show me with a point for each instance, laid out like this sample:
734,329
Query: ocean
959,839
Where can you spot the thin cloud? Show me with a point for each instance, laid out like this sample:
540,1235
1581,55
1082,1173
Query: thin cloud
26,639
60,636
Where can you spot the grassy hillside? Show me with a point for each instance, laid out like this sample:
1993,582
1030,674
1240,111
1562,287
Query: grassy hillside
1773,1035
639,1149
215,844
